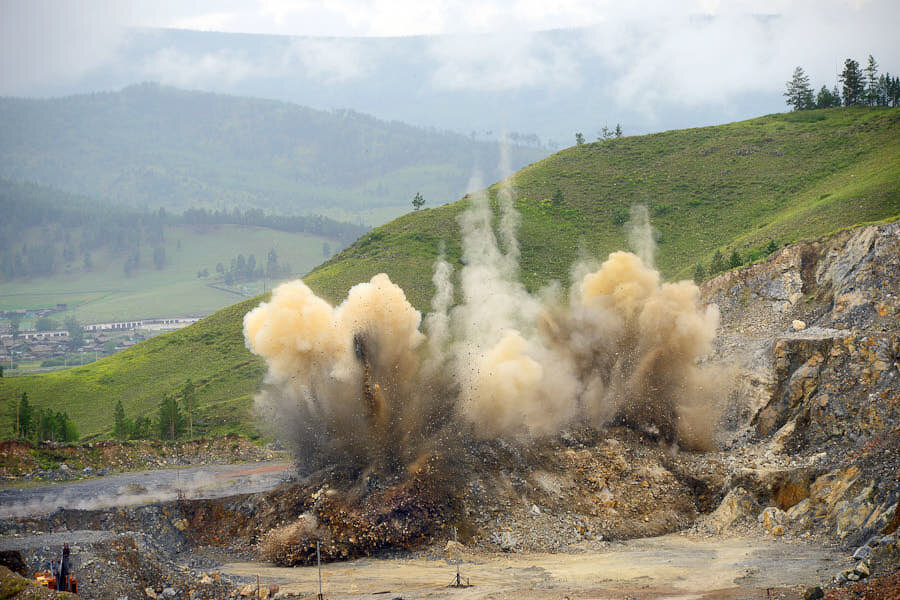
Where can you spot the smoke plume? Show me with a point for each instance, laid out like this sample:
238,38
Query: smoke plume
360,385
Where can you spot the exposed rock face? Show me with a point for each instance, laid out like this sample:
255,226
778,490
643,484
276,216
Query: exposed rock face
738,506
815,332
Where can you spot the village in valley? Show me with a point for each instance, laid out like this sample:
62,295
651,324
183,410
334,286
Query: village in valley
28,345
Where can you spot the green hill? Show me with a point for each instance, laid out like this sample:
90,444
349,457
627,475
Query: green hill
781,177
150,146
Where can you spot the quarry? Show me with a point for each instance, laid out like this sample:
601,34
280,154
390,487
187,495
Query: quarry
643,439
503,300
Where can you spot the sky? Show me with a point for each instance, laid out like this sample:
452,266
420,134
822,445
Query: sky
684,53
343,18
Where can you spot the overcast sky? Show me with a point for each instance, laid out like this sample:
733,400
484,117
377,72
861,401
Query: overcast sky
688,52
342,18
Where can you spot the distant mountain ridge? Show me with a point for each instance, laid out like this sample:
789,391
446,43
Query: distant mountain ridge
550,83
149,146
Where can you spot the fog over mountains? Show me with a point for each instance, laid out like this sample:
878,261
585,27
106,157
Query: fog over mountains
151,146
649,74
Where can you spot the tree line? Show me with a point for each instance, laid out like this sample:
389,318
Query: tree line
42,424
858,87
243,269
43,230
604,134
314,224
174,417
720,263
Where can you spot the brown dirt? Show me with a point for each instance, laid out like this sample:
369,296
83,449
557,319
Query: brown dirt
875,588
671,566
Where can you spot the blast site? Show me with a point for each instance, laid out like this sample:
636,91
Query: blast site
627,438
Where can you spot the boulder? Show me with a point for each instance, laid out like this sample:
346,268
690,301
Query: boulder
738,505
814,593
773,518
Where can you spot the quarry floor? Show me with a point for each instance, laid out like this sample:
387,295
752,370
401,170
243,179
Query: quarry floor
671,567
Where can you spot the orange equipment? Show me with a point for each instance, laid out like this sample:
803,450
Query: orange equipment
59,578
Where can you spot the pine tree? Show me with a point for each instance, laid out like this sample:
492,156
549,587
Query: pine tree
120,427
170,420
579,138
25,424
69,431
187,396
699,273
771,247
718,263
418,201
871,92
141,429
887,91
735,260
892,88
852,91
798,93
825,98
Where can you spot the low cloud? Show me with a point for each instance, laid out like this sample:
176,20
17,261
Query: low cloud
715,58
503,62
329,60
45,44
175,67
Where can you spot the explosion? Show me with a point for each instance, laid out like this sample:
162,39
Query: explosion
367,386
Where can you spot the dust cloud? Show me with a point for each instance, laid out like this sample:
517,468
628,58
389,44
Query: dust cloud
369,386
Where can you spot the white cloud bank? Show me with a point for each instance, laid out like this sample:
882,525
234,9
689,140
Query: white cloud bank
690,53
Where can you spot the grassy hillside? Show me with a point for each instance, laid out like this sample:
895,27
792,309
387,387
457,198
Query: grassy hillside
150,146
781,177
211,353
105,293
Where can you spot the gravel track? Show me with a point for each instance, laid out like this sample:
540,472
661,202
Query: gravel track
128,489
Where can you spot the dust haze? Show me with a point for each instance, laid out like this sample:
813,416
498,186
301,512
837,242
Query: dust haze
370,386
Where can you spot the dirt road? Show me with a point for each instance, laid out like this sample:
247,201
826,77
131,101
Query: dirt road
671,567
212,481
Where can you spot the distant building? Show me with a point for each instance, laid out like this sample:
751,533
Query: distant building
38,335
152,324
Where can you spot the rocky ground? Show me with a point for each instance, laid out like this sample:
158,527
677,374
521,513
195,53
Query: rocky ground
49,461
808,456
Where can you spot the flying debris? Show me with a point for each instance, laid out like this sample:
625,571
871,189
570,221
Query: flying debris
369,388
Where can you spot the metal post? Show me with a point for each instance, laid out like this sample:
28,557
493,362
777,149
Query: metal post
319,565
458,560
